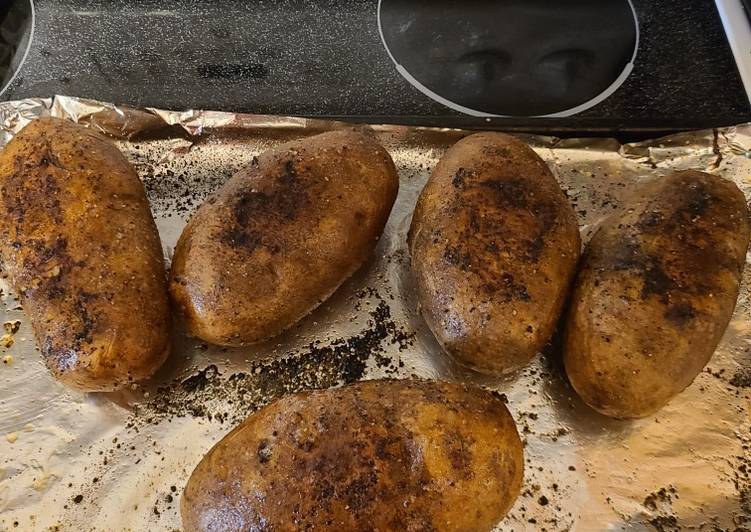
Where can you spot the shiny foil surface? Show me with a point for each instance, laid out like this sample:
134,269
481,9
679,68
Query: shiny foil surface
119,461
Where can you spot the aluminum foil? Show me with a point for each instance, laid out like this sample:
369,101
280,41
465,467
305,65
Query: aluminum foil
74,461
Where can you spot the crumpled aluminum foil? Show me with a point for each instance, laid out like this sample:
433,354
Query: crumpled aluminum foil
74,461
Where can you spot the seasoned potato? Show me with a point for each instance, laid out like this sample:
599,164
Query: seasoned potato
82,250
377,455
281,236
494,247
656,290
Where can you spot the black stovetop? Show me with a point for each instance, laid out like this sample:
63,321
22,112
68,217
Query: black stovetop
327,58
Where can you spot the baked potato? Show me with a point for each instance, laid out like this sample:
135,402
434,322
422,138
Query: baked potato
376,455
80,246
279,237
494,245
656,289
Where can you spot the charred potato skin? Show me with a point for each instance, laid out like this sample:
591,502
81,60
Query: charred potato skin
655,293
80,245
494,245
281,236
378,455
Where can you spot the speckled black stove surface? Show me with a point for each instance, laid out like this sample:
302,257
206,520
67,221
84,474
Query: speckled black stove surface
326,58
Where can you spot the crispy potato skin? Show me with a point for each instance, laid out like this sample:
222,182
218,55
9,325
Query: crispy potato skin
80,245
378,455
656,289
494,244
281,236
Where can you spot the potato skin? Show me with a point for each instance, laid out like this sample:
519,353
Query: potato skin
80,245
494,245
656,289
280,237
377,455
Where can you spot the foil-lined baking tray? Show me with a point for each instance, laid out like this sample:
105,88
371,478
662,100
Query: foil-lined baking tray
119,461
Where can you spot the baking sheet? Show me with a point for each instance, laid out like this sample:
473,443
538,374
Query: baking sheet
119,461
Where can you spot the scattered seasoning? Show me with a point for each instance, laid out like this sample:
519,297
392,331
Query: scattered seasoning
660,497
665,523
213,396
6,340
742,379
659,503
11,327
77,499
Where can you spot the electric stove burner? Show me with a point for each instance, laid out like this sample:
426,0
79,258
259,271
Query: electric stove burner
326,58
512,57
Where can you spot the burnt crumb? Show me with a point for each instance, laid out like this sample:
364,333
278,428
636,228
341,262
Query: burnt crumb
359,492
459,177
660,502
649,220
664,523
87,321
663,495
742,379
513,290
499,395
231,398
306,446
77,499
456,257
264,451
543,500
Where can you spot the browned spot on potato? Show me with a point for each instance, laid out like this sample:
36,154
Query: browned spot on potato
680,314
460,453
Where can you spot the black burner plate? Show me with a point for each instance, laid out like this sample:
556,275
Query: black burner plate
326,58
515,57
